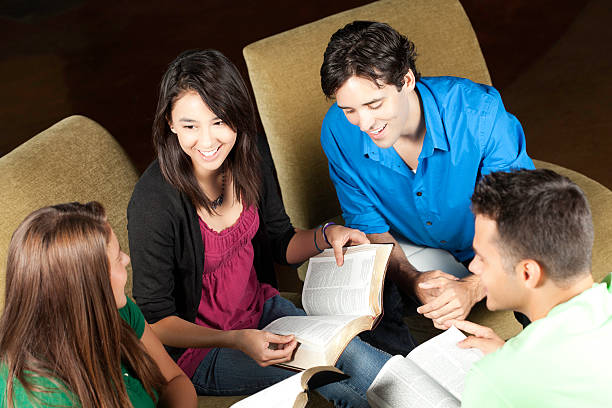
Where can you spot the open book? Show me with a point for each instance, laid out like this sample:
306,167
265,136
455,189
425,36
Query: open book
340,302
293,391
431,375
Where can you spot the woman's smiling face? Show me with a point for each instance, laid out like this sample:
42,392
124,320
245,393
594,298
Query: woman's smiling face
205,138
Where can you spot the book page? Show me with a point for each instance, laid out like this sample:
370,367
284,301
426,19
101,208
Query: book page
310,330
444,361
330,289
401,383
281,394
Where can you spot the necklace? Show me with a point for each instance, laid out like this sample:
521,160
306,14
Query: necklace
219,201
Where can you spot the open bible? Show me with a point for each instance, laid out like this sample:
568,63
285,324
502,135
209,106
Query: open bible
340,302
293,391
431,375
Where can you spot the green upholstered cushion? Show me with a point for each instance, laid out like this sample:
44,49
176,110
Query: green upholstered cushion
284,72
74,160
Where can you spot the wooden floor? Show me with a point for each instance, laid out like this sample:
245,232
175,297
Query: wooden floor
550,59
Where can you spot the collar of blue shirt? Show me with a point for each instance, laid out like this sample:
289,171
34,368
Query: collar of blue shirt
435,135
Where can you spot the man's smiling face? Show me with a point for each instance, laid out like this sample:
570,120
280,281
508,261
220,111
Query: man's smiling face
382,112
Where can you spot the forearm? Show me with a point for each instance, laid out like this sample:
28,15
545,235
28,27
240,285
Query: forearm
178,392
301,247
399,270
176,332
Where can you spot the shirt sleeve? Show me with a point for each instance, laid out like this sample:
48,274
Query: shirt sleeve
151,238
358,210
132,315
502,139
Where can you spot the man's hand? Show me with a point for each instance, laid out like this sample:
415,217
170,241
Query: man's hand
340,236
264,347
454,298
484,338
429,285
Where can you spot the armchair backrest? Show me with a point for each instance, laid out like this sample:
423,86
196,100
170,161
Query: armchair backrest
284,72
74,160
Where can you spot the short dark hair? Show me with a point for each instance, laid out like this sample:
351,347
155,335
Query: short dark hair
218,82
540,215
370,50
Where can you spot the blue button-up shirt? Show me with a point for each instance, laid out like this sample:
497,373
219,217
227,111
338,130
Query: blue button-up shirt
468,134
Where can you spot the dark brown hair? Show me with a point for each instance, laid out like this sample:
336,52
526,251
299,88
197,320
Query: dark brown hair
61,320
219,84
370,50
540,215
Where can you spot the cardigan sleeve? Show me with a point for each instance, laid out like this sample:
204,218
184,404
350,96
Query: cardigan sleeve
278,225
151,228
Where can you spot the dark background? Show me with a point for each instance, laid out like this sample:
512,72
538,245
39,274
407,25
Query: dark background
104,60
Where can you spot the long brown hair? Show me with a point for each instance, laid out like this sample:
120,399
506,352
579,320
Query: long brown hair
219,84
61,320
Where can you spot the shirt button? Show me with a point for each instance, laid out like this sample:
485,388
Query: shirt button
428,223
419,194
443,242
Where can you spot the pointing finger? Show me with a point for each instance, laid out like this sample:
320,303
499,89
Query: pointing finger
472,328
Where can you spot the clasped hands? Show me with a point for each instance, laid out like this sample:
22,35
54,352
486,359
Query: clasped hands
445,297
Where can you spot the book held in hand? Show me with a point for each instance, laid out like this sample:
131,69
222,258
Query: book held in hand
293,391
431,375
340,302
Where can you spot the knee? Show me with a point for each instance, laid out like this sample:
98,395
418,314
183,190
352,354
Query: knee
361,359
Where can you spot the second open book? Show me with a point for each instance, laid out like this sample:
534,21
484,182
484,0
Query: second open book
431,375
340,302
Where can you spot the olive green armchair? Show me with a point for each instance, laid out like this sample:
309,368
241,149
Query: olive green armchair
284,72
74,160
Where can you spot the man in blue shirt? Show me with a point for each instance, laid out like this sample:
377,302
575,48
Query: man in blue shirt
405,154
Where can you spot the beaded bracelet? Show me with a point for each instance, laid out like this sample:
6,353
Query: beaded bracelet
325,235
315,240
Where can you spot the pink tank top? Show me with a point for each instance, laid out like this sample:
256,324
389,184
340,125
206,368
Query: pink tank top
232,297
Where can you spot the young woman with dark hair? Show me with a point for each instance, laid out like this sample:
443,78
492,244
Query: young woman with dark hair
205,223
68,335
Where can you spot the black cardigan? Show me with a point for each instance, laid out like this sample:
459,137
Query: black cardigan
166,245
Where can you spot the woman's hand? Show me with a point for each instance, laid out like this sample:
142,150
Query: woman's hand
340,236
264,347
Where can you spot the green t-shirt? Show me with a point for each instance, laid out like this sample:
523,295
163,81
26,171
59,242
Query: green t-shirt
562,360
138,396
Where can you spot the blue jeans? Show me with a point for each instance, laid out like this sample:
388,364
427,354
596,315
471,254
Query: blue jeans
231,372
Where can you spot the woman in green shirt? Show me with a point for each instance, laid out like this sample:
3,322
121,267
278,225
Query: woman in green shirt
68,335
